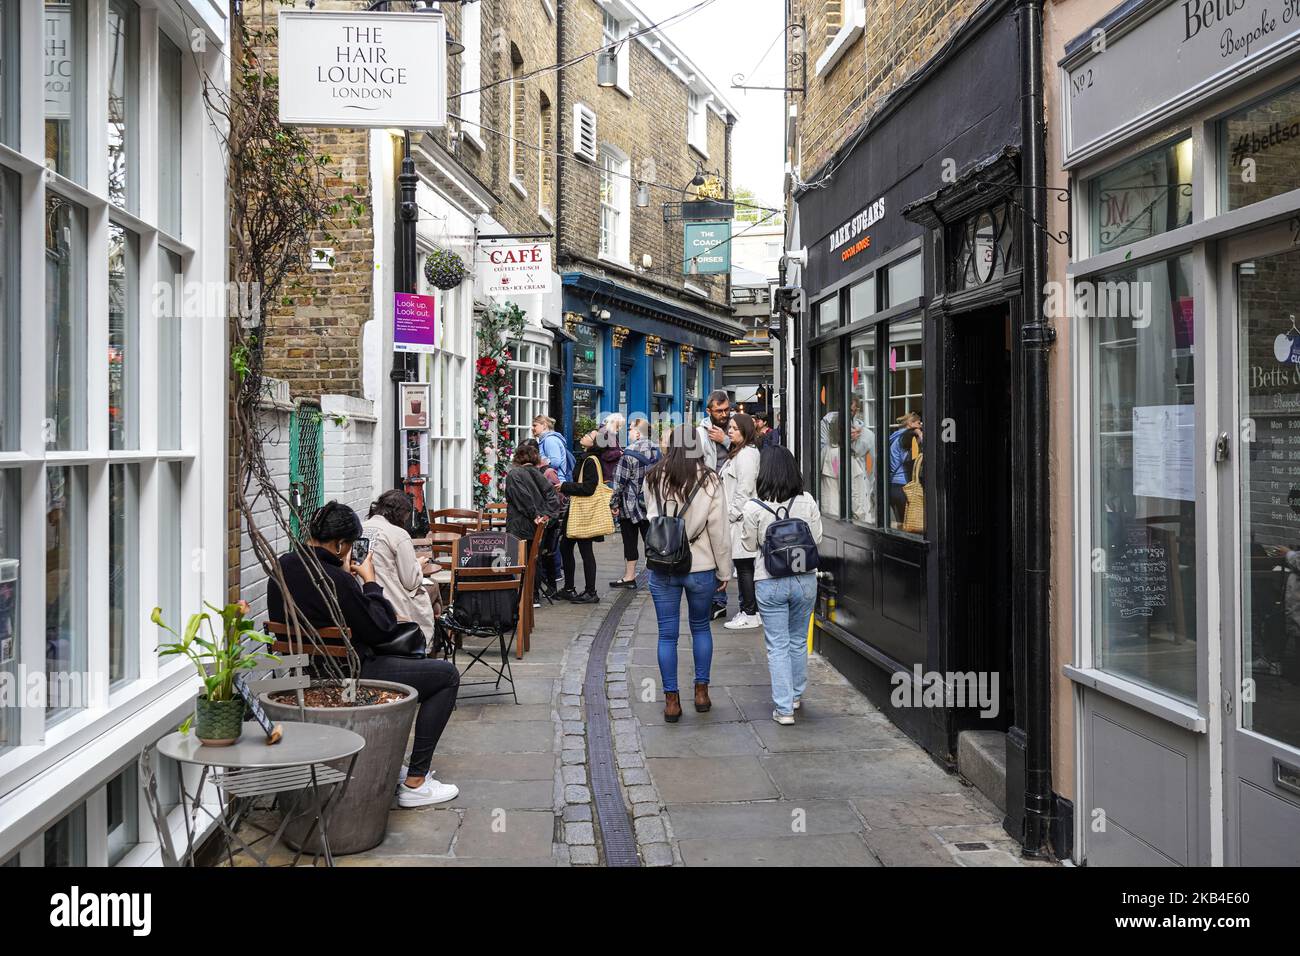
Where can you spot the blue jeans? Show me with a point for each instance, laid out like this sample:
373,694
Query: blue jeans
785,604
666,590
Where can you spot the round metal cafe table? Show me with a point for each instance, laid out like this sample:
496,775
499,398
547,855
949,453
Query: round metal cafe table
251,768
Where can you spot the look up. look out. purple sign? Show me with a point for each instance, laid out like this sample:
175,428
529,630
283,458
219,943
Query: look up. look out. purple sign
413,322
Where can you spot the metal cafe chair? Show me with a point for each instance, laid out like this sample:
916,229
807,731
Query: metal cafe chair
472,520
495,625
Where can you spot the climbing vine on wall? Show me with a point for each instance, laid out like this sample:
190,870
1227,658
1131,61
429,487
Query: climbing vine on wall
499,330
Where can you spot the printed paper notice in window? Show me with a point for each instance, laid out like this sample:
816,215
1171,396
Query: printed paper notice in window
1164,439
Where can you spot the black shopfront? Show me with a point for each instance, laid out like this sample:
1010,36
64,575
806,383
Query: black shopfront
913,303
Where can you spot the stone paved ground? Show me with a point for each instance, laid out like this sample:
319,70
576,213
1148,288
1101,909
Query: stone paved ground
842,786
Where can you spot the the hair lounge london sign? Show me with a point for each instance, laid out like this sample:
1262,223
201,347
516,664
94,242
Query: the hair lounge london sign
363,69
1203,46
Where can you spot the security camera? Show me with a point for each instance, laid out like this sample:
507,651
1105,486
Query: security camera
797,255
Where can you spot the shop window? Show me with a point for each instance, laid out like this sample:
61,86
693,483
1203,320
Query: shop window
1260,149
65,88
862,299
983,248
65,316
9,581
10,318
122,799
65,842
831,462
65,591
588,376
169,136
122,67
123,579
169,540
661,371
1144,197
123,338
1143,421
828,314
1270,519
169,350
906,393
529,398
905,281
863,449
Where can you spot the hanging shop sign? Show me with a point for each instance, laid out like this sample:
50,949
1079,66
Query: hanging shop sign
708,246
1203,46
415,406
366,70
514,268
414,321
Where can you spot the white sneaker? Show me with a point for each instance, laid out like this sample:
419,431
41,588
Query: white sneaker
744,622
755,620
784,720
797,703
406,772
431,791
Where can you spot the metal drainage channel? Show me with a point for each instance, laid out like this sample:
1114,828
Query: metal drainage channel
615,826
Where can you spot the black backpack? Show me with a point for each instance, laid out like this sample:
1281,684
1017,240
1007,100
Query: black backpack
667,549
788,546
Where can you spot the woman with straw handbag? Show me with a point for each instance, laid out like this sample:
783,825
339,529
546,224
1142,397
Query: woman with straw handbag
589,519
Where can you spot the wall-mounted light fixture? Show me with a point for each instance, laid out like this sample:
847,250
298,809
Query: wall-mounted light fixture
642,195
607,67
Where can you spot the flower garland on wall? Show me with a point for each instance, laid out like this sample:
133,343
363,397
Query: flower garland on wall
498,329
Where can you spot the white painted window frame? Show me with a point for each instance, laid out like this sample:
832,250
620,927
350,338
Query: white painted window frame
618,247
46,750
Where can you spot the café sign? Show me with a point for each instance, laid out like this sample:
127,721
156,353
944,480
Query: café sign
514,268
1201,47
364,70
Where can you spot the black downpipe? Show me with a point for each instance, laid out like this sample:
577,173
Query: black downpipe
561,111
408,214
1037,336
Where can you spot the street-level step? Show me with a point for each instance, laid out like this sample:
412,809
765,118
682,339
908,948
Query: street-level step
982,759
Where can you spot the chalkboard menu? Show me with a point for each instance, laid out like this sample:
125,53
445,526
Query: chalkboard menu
1139,576
272,730
495,543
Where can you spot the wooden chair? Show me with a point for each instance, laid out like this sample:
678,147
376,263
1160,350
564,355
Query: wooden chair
448,528
530,588
494,515
288,642
458,516
466,580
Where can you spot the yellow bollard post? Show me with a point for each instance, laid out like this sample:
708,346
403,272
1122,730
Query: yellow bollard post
812,618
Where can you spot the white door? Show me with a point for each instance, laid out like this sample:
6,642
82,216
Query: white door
1260,300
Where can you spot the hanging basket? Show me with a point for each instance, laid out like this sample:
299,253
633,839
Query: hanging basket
444,269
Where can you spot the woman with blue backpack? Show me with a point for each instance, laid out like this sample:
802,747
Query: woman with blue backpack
784,524
688,551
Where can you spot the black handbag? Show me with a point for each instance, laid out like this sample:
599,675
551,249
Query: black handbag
407,641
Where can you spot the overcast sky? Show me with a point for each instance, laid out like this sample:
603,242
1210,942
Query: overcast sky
729,37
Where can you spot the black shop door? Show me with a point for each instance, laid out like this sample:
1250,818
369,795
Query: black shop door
979,497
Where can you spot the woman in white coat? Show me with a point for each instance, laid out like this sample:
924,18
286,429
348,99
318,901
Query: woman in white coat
739,477
397,568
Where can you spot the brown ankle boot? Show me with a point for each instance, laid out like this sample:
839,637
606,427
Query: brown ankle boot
672,706
702,702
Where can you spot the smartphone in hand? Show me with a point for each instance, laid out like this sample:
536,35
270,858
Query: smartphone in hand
360,548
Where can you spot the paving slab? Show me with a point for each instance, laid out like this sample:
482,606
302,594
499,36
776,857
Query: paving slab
829,733
923,810
724,709
420,831
852,773
499,737
495,713
514,835
766,819
453,768
802,850
506,794
908,846
691,738
706,779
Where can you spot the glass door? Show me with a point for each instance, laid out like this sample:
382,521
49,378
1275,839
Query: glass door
1260,291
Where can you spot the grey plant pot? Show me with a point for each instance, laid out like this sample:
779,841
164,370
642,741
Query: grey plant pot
359,820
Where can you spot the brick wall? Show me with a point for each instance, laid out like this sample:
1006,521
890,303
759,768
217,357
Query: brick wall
314,343
899,38
348,438
250,579
650,129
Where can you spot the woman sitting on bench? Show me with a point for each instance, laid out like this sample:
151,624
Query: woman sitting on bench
371,621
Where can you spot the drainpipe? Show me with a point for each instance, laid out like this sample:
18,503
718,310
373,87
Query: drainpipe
408,215
1037,336
561,112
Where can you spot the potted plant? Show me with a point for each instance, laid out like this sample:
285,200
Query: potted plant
709,202
444,269
219,711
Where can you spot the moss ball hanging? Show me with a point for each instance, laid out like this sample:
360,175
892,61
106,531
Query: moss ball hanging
444,269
